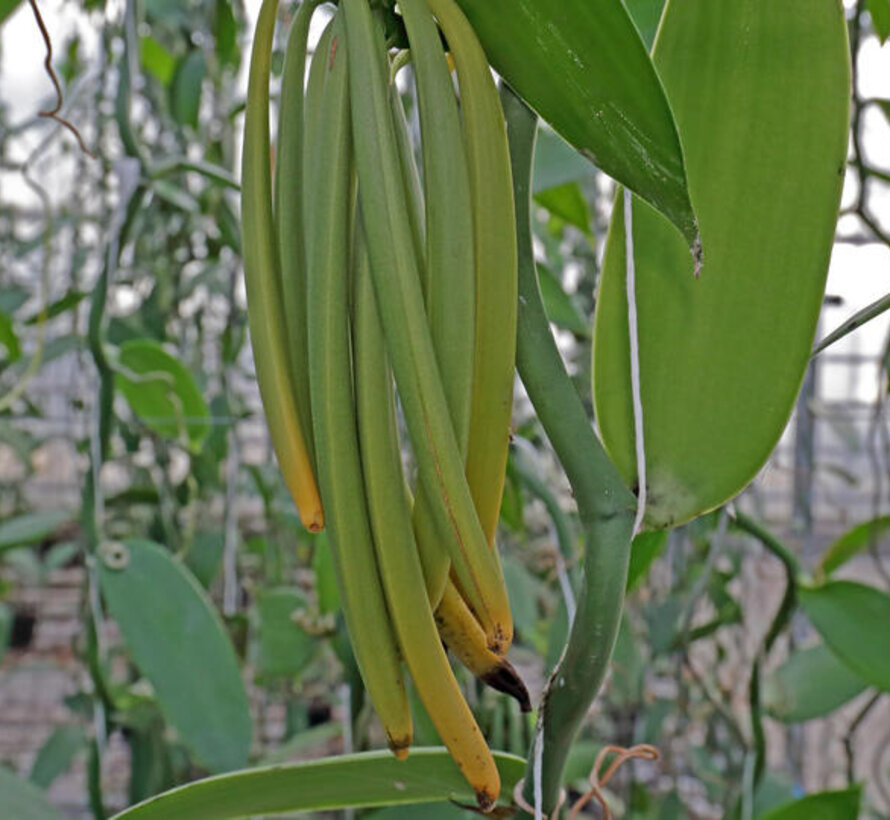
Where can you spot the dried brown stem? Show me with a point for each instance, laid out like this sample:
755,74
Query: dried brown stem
53,113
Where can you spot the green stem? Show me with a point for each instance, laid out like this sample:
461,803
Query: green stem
605,505
780,621
770,542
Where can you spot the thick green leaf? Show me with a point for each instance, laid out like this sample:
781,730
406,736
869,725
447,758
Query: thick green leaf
56,754
583,67
811,683
162,391
853,619
852,542
284,647
368,779
558,304
646,547
29,528
22,800
178,642
430,811
880,17
760,91
839,805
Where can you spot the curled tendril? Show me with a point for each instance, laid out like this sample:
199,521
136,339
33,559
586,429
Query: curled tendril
53,113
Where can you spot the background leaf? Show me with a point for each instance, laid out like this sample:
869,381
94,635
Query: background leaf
646,547
811,683
556,162
561,311
858,319
284,648
7,7
9,339
853,542
22,800
839,805
853,619
162,391
178,642
29,528
157,60
56,754
369,779
185,91
880,17
568,204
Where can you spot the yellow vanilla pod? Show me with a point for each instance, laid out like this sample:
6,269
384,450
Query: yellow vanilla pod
449,274
333,404
494,229
289,211
390,511
262,278
462,634
408,339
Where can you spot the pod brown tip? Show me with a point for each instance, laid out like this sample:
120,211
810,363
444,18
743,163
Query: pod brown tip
504,678
485,800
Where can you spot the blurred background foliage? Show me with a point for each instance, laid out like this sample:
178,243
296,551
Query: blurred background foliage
142,513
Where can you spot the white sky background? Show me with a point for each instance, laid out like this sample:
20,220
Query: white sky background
859,274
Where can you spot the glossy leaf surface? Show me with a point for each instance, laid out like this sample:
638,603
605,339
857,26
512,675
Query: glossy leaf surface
368,779
583,67
722,357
